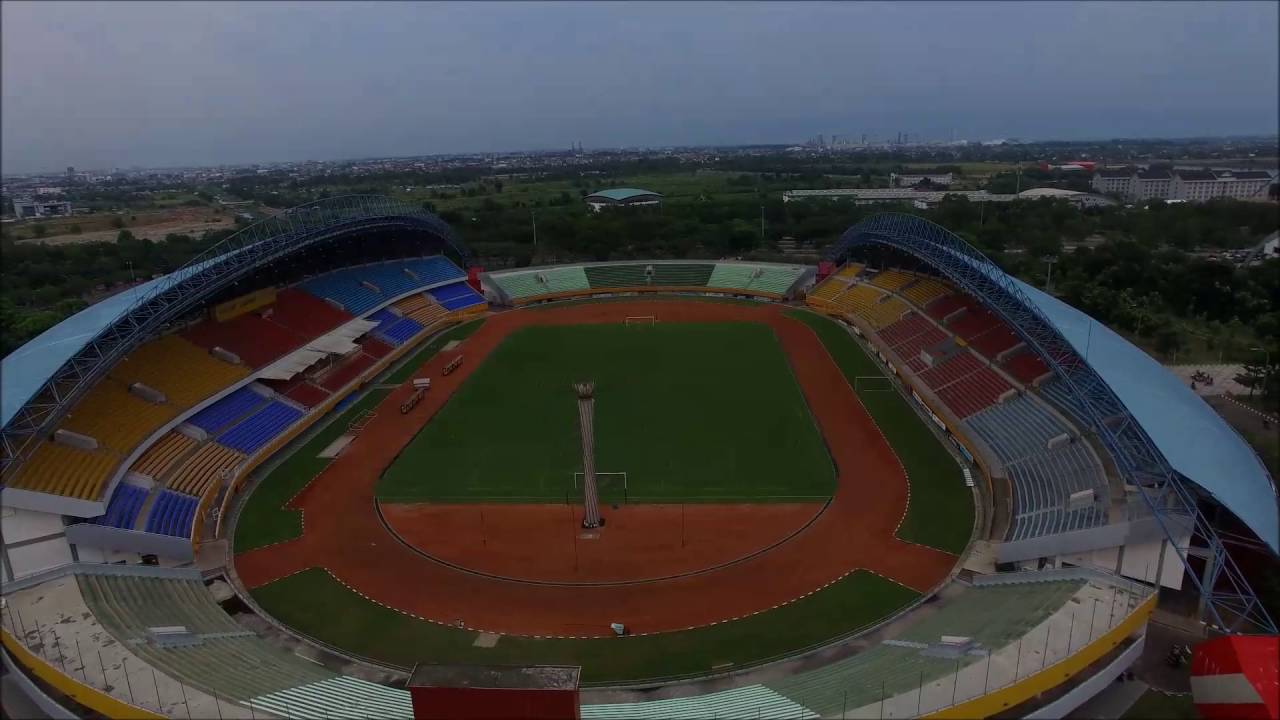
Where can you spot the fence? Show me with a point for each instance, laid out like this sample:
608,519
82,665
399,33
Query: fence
899,679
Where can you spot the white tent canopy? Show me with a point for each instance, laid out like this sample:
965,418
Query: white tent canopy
337,342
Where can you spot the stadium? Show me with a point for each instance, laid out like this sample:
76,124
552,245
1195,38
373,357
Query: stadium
331,468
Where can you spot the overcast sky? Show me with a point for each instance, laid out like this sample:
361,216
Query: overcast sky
111,84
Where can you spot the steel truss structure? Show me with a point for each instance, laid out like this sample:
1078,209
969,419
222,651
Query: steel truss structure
259,244
1225,593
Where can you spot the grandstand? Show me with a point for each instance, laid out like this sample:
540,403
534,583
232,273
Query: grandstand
420,308
1016,431
916,672
210,464
924,290
62,470
172,514
549,281
162,454
890,280
457,296
259,428
227,409
227,661
126,503
180,416
185,373
358,290
754,279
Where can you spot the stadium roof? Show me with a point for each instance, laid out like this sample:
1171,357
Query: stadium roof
23,371
1195,441
622,194
1192,436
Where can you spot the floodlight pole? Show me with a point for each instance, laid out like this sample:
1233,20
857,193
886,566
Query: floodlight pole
590,494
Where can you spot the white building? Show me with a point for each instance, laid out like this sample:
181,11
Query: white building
1075,197
30,208
911,180
1114,181
920,198
1202,185
1189,184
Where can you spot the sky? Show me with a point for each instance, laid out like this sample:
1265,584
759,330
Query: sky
111,84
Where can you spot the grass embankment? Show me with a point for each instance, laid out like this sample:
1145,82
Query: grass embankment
317,605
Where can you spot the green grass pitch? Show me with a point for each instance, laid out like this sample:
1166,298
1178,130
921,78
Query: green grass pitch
690,411
315,604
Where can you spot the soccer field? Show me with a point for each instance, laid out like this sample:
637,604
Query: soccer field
690,412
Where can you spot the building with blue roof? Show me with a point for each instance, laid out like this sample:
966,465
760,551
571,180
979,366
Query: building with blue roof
622,197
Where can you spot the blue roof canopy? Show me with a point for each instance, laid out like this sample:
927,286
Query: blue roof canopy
1192,436
623,194
26,369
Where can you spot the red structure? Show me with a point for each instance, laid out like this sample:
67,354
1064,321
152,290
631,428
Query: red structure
473,278
825,268
494,692
1237,677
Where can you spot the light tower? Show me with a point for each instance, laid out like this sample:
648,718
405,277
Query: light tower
586,418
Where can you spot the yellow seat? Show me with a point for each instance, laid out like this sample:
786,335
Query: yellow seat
925,291
63,470
162,455
116,418
421,310
183,371
849,271
205,467
891,279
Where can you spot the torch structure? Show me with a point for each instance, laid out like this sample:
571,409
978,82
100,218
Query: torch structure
586,419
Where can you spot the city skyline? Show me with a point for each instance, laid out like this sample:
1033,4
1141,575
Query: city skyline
200,84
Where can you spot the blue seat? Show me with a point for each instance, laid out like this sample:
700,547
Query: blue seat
456,296
258,429
213,418
393,279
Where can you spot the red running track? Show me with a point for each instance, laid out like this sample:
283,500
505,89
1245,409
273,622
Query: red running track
344,534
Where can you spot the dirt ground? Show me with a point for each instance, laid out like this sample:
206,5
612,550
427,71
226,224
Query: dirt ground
640,543
148,225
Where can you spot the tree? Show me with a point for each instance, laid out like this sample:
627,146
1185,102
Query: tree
1262,378
76,229
1168,339
117,222
38,230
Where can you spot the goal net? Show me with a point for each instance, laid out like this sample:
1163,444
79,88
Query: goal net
644,320
872,383
610,486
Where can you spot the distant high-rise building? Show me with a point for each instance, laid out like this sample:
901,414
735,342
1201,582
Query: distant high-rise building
70,171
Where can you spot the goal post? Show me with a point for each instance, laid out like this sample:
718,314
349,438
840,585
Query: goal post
610,486
643,320
872,383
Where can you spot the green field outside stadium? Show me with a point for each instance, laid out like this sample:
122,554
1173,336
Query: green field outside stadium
689,411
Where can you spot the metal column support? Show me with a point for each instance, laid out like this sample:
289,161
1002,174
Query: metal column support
214,269
1173,499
